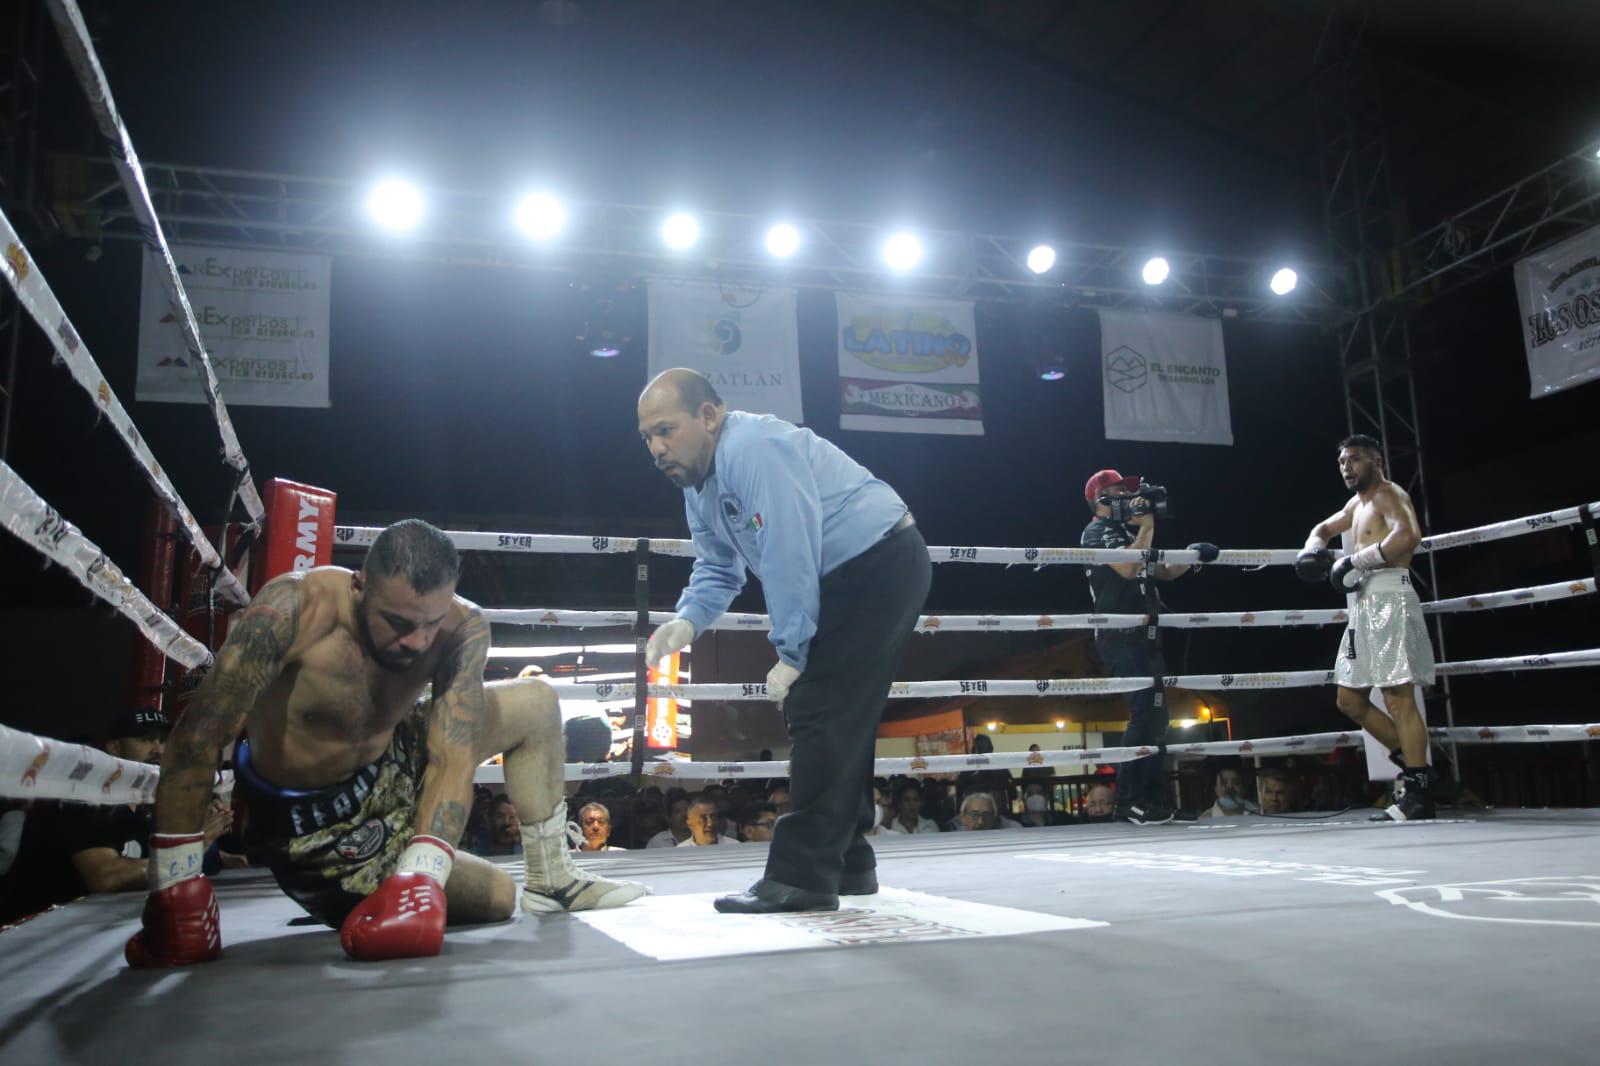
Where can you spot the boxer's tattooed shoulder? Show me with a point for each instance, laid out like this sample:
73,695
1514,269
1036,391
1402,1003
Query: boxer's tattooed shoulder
459,704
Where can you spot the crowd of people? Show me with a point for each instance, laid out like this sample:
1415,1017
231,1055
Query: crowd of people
613,816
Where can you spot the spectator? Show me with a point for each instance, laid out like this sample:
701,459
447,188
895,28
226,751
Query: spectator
1030,773
978,811
1037,810
702,820
504,828
719,795
756,825
778,796
594,822
908,811
1100,803
75,849
883,826
996,782
1277,791
1231,799
677,830
647,817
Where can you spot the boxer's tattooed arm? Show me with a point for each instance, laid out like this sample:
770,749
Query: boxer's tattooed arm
245,667
448,822
456,731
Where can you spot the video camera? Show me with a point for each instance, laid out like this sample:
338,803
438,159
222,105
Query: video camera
1150,499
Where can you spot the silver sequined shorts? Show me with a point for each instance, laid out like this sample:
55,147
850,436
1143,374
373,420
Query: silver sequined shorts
1386,642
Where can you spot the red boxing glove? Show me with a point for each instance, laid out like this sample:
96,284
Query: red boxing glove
404,918
181,922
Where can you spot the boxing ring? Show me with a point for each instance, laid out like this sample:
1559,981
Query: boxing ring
1459,941
1245,940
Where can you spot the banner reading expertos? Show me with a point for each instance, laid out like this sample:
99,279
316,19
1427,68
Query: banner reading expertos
263,317
908,365
1558,290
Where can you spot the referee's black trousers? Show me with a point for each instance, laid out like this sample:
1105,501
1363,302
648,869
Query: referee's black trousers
869,607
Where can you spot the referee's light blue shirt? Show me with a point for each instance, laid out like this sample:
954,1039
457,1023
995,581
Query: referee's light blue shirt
791,507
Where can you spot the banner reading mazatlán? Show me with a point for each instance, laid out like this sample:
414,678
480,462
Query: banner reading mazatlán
263,317
908,365
1164,377
1558,290
745,340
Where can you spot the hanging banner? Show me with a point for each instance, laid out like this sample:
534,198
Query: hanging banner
745,340
1164,378
1558,291
263,317
908,365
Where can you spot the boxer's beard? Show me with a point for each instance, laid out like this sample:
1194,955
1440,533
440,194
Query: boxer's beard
386,660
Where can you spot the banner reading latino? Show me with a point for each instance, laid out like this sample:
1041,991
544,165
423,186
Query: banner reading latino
908,365
1558,291
1164,377
746,341
263,317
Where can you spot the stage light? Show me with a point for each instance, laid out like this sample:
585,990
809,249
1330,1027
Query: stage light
1284,281
902,251
1155,271
603,330
1060,724
395,205
993,726
541,216
783,240
680,231
1186,723
1052,370
1041,259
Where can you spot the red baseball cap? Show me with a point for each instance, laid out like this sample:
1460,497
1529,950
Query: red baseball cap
1104,480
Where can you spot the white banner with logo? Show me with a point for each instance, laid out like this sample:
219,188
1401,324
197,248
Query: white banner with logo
908,365
263,317
1165,378
746,340
1558,291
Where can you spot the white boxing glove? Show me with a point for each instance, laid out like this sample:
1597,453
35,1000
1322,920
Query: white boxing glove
779,678
669,637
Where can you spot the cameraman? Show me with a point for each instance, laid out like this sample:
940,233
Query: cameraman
1125,519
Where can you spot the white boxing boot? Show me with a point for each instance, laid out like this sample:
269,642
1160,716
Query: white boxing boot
555,883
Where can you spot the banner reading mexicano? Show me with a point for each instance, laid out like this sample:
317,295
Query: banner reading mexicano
263,317
908,365
746,341
1558,290
1164,377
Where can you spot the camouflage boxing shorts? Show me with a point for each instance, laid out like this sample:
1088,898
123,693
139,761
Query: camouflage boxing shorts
330,847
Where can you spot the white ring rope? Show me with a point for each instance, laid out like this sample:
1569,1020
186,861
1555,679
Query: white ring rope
1072,686
86,64
36,523
477,540
966,623
34,767
33,292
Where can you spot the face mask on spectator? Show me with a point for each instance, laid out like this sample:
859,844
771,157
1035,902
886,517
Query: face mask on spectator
1036,804
1229,803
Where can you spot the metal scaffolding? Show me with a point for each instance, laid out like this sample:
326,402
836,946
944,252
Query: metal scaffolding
200,205
1541,209
1362,218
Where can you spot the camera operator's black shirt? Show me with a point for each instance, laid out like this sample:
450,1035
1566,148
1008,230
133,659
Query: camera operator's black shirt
1113,593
